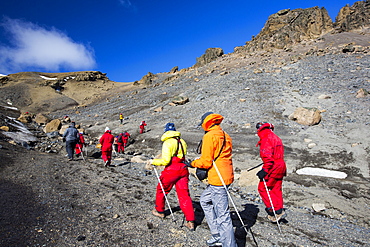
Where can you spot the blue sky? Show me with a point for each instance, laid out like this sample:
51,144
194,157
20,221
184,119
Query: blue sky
129,38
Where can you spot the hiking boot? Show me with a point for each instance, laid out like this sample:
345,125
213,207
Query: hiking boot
190,225
214,240
158,214
280,216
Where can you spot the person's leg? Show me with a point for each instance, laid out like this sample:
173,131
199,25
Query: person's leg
276,195
263,193
183,194
167,180
220,201
69,149
209,213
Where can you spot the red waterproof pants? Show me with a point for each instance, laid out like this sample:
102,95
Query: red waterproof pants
106,156
78,148
121,148
175,174
276,193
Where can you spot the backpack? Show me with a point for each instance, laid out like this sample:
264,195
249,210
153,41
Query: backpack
119,139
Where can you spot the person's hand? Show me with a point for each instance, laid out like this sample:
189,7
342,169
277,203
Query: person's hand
188,163
148,165
261,174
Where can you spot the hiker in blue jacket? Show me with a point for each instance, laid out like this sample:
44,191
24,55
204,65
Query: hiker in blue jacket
71,136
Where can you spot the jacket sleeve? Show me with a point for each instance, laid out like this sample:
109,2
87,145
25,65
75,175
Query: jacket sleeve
266,153
206,159
168,150
66,132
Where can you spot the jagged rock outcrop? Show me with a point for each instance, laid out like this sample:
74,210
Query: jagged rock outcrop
210,55
146,80
353,17
290,26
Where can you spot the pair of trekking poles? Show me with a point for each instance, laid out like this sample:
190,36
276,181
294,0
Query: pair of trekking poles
228,194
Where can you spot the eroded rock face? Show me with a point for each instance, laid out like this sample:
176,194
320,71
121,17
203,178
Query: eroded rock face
291,26
210,55
353,17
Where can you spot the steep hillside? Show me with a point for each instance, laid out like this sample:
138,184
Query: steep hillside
83,203
48,92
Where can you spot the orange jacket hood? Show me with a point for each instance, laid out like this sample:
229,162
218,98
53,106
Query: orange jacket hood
212,120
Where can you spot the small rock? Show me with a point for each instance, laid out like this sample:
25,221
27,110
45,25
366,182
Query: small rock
318,207
311,145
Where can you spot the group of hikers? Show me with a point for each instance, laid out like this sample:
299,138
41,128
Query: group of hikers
215,163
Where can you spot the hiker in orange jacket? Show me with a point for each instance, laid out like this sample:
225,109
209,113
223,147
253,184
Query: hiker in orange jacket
216,148
272,172
106,142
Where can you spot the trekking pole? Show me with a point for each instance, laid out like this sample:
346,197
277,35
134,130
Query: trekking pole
168,203
227,191
272,205
254,167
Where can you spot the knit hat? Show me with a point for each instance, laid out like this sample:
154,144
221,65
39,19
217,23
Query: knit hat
204,117
169,126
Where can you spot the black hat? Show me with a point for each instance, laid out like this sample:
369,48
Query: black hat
204,117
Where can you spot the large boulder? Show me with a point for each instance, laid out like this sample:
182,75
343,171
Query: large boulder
25,118
41,119
306,116
210,55
53,125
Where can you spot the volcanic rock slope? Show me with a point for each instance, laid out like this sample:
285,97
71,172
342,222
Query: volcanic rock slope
84,204
268,90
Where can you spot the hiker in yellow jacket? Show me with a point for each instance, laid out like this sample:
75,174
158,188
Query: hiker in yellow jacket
174,174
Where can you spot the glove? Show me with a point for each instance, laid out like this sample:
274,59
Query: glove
188,163
261,174
149,165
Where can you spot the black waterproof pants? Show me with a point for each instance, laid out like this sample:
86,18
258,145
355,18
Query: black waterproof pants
70,147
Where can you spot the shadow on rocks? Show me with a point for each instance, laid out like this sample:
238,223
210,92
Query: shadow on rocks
249,217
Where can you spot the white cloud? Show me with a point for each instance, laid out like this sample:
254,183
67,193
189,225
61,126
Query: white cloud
37,48
125,3
128,5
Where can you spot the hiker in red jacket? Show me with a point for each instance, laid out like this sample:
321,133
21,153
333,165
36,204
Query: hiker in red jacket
125,138
106,142
142,127
272,172
120,144
80,144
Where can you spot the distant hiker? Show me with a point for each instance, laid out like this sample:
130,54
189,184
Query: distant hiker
216,147
121,118
125,138
71,136
142,127
272,172
115,144
120,144
80,144
174,174
106,142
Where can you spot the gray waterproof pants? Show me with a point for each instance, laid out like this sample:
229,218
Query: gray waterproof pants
215,204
